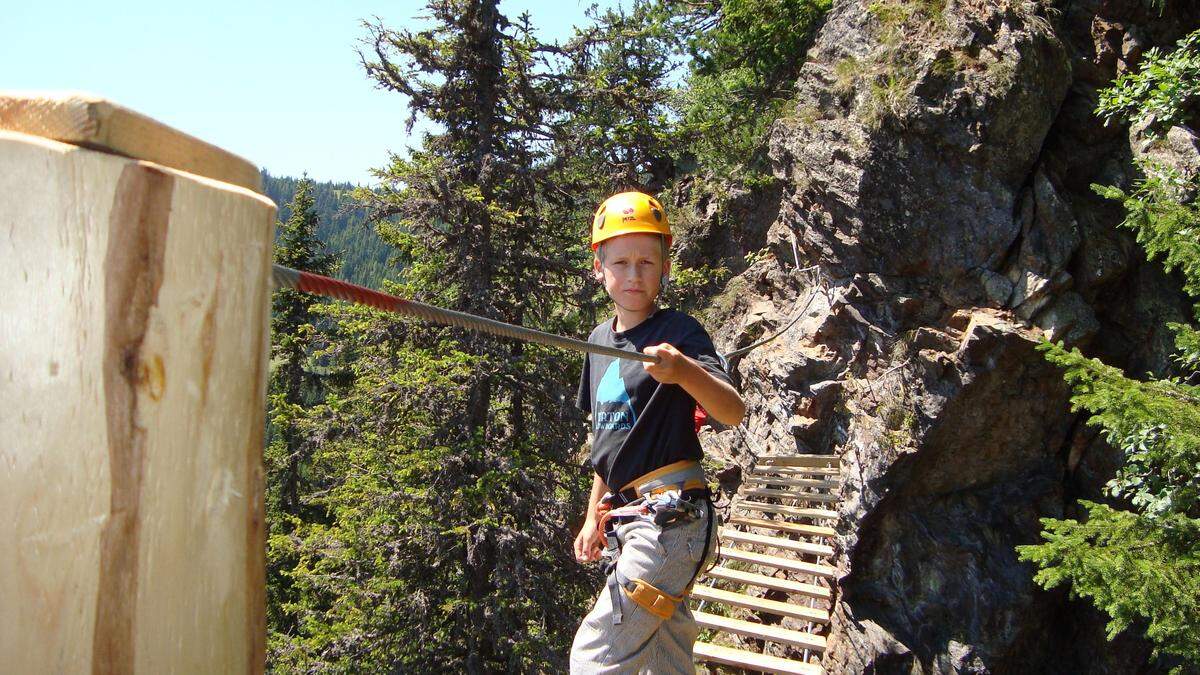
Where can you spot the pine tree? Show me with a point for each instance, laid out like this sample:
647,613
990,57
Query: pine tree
637,126
744,58
293,342
619,131
291,388
1141,563
362,255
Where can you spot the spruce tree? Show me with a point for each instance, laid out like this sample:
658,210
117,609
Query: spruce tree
483,207
291,388
743,60
1140,562
619,132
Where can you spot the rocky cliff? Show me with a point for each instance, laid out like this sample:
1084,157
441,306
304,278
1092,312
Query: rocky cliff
932,220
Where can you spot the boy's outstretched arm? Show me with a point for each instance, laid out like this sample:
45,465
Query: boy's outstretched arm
716,396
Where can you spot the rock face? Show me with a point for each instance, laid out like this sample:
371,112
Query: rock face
935,173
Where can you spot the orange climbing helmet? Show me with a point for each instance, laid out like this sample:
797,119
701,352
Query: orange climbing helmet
626,213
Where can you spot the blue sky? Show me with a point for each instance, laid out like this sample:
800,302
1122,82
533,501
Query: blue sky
278,83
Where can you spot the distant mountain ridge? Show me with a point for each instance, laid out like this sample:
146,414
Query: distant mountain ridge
343,228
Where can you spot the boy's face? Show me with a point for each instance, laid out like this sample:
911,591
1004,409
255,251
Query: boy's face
632,270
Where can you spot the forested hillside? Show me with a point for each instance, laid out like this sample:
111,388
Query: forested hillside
929,168
343,227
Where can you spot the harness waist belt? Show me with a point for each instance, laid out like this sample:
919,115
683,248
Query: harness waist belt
683,475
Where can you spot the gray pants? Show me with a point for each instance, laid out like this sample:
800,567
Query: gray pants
642,642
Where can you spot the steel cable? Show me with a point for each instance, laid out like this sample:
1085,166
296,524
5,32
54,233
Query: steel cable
286,277
781,331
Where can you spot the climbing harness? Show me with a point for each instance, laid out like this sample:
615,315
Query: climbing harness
653,599
672,495
682,475
665,510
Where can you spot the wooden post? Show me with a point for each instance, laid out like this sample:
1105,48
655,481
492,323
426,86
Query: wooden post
134,314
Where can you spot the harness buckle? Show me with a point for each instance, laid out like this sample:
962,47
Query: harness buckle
672,507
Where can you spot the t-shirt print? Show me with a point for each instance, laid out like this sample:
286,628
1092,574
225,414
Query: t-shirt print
614,407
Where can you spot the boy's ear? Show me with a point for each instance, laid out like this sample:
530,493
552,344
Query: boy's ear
597,273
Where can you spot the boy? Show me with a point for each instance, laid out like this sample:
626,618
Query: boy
645,452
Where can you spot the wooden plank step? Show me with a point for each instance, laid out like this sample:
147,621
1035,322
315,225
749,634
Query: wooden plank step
789,494
740,658
785,526
793,482
793,511
773,583
805,547
797,638
798,460
780,563
710,594
796,470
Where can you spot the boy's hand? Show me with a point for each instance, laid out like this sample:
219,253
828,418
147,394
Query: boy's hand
672,366
588,543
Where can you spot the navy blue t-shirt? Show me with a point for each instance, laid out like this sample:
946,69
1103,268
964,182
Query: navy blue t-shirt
638,423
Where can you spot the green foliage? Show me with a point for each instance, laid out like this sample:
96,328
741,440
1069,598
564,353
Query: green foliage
894,14
745,58
381,584
635,123
846,73
724,130
690,286
1139,570
887,97
886,77
1165,225
298,243
1187,342
767,37
292,387
424,481
1156,423
1141,565
619,128
1166,89
1157,426
292,315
